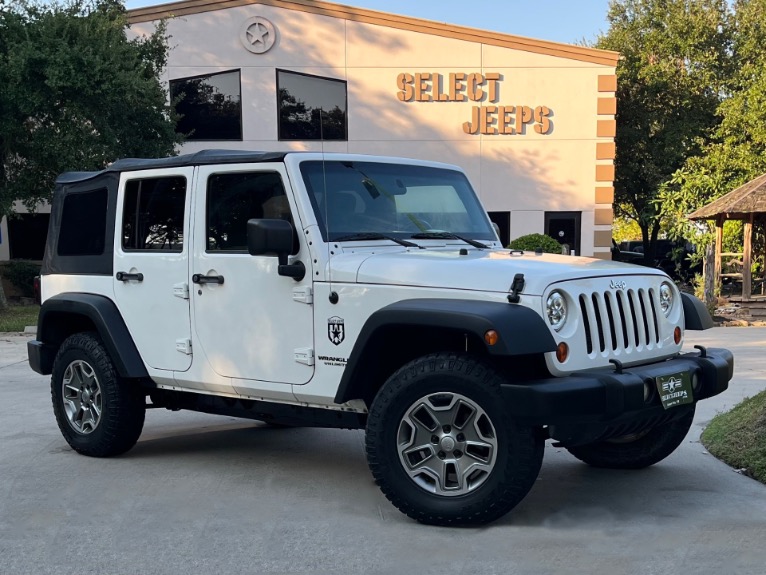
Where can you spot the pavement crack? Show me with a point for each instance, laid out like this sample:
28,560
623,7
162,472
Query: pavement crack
12,364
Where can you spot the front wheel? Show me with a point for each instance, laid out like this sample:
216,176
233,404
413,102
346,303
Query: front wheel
638,450
97,413
443,449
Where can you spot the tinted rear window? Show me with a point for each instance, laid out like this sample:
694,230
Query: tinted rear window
83,224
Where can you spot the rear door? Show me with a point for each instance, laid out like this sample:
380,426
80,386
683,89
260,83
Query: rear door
151,264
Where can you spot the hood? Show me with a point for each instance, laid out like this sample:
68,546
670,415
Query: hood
480,270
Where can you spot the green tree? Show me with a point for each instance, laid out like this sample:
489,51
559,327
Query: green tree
736,152
76,94
676,58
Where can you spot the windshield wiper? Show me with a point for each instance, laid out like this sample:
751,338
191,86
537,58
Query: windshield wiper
448,236
376,236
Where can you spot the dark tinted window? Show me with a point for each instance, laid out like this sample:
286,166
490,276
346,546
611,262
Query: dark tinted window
153,215
83,224
310,107
210,106
232,199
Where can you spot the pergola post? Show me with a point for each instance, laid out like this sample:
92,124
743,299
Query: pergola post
747,257
708,272
718,247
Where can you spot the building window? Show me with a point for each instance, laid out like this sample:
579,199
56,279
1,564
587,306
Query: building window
311,107
153,214
210,106
234,198
83,224
26,236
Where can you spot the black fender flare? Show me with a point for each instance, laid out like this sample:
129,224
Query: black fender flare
696,315
54,325
521,331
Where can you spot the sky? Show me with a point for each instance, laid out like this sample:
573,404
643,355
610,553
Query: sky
569,21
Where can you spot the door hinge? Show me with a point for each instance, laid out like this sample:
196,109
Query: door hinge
303,295
184,346
181,290
304,355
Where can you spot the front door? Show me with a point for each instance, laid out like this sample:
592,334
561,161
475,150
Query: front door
251,323
151,264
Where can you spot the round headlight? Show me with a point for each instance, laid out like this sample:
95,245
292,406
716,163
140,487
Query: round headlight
556,310
666,298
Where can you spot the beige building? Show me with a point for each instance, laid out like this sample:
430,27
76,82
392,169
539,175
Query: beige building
532,122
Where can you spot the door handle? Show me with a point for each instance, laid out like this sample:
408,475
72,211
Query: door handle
200,279
126,277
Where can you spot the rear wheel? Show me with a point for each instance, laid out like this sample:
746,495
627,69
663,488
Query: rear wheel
443,449
638,450
98,414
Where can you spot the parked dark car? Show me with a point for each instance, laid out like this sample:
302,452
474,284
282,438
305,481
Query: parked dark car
680,269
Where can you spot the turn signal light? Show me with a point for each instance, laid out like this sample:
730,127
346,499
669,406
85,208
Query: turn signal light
491,337
562,352
677,335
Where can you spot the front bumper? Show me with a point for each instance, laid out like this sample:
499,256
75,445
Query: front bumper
598,404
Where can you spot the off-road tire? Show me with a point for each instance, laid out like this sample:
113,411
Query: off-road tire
519,450
647,449
123,404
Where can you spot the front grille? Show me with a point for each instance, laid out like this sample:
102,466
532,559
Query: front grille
619,319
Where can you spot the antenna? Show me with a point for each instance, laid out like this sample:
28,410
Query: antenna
333,295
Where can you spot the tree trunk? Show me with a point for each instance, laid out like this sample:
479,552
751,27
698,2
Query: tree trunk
649,233
645,242
3,299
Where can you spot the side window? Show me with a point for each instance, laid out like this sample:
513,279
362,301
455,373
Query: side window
153,214
234,198
83,224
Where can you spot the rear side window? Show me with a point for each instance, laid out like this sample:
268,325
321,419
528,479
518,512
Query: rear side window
83,224
234,198
153,214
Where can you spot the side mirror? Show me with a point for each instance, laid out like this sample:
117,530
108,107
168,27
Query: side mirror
497,230
274,237
270,237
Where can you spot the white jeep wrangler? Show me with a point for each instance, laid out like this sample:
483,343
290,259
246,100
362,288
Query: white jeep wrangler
365,293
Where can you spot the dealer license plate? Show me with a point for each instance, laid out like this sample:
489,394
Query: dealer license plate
675,389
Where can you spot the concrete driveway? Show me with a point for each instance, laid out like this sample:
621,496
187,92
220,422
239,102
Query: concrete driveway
205,494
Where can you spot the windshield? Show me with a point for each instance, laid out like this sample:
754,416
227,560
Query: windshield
392,199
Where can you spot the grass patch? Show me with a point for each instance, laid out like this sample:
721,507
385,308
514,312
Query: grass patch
17,317
738,437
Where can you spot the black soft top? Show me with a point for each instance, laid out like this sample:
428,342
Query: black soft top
106,182
203,157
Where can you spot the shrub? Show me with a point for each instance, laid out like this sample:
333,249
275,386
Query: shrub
21,274
531,242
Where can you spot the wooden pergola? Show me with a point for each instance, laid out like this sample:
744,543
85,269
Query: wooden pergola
745,203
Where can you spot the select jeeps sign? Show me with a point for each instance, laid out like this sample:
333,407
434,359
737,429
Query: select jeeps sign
475,87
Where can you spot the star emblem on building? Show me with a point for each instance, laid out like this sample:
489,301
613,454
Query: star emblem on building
258,35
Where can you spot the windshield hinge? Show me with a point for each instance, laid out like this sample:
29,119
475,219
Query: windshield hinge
516,287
